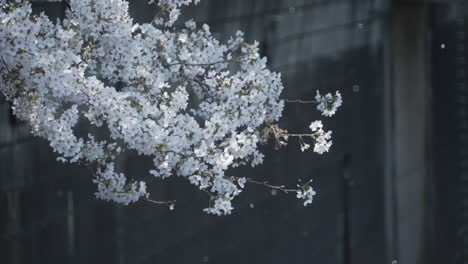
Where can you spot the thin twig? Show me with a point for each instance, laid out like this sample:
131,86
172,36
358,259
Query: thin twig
169,203
201,64
300,101
277,187
298,135
175,152
4,62
196,81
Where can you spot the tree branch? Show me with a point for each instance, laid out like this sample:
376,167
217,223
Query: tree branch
300,101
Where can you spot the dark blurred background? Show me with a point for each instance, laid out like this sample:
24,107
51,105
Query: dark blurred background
393,189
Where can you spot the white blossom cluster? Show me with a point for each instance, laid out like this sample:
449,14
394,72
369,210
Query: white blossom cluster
172,9
306,193
321,138
328,104
193,104
113,186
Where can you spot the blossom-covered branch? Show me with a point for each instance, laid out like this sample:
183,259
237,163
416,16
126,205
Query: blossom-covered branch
196,106
327,104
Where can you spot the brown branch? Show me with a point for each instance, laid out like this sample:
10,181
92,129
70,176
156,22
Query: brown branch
201,64
168,203
300,101
236,59
4,62
196,81
277,187
297,135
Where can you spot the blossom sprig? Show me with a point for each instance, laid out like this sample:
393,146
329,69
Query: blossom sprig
321,138
243,180
305,192
196,106
327,104
112,187
170,204
169,10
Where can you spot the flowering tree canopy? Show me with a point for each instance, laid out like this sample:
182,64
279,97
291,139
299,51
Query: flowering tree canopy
196,106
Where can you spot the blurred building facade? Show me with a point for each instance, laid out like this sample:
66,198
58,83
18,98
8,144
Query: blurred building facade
393,187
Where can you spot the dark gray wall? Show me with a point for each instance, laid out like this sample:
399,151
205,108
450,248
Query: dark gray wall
450,128
49,214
